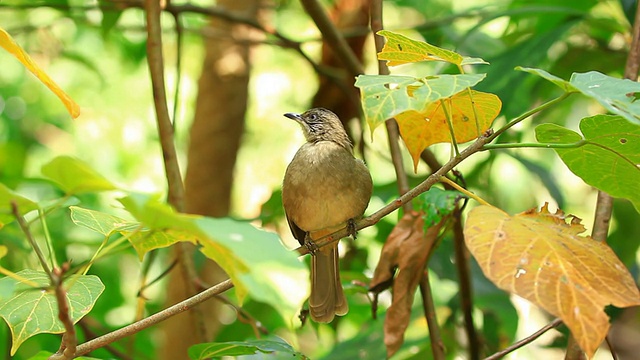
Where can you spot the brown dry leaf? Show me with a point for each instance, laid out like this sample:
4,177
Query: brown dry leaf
420,130
405,252
540,257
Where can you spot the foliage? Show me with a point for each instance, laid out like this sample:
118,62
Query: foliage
88,224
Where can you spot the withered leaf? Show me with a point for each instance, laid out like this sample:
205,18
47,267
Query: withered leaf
541,257
405,252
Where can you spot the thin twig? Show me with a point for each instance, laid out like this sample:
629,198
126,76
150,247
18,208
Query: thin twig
166,133
525,341
464,277
437,346
89,334
333,37
153,319
32,241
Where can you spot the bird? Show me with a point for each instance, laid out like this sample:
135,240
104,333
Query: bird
325,188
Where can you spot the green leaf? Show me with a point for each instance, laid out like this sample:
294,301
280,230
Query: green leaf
563,84
75,176
608,157
99,222
399,50
277,349
255,260
616,95
385,96
29,311
437,203
6,197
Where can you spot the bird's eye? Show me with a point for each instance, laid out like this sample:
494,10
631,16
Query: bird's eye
313,117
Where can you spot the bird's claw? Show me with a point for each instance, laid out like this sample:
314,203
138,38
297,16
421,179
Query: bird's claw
310,245
351,228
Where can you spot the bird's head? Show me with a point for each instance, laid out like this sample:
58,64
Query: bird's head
320,124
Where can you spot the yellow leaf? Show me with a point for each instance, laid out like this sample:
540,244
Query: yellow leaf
420,130
14,49
540,257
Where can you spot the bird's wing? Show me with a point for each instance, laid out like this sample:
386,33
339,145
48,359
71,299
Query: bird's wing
298,233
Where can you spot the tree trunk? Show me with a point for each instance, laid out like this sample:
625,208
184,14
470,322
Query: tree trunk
214,141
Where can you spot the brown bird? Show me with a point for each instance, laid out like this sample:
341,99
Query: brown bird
324,188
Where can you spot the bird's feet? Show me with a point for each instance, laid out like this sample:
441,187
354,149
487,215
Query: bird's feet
351,228
310,245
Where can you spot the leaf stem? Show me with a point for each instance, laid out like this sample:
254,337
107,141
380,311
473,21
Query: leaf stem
18,278
524,116
534,145
468,193
47,236
447,115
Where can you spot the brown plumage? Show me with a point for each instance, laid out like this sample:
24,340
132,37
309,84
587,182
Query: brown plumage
324,187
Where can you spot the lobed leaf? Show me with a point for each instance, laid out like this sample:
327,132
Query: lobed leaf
608,157
30,311
384,96
541,258
7,42
75,176
471,115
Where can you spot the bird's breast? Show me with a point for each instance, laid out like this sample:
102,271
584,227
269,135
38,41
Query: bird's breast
325,186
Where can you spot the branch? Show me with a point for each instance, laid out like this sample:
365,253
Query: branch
69,340
333,37
153,319
407,197
437,346
464,277
165,131
525,341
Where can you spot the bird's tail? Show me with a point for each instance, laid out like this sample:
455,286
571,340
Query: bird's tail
327,298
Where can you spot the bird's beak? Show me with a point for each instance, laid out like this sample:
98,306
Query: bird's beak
293,116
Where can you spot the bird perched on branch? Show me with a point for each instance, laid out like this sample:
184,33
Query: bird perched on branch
325,188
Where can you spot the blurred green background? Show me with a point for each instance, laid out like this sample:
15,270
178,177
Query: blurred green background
96,51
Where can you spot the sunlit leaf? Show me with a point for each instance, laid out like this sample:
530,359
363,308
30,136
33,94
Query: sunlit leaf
420,130
30,311
97,221
608,157
616,95
7,42
75,176
384,97
7,196
276,349
255,260
399,50
610,92
540,257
